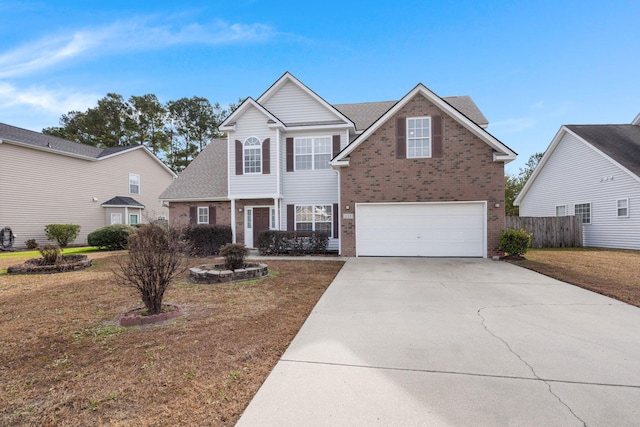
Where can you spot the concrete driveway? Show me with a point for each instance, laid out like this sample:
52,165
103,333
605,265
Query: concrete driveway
455,342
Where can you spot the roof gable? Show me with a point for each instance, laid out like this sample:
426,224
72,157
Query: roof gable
297,105
502,152
230,122
122,201
618,144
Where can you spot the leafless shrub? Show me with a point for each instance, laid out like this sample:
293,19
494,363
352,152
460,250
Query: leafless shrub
156,257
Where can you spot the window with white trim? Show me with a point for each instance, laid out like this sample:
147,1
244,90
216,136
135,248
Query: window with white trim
134,183
203,215
133,219
315,218
116,218
622,208
312,153
561,210
418,137
583,210
252,152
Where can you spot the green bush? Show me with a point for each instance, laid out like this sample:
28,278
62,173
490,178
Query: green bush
112,237
515,242
206,240
275,242
62,233
51,254
31,244
234,255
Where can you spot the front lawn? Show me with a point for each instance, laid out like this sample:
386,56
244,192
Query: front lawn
615,273
65,361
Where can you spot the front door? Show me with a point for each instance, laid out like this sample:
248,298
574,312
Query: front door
260,222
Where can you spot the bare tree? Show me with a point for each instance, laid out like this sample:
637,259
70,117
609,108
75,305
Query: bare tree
156,257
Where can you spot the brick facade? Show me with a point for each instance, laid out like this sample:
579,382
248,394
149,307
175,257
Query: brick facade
179,212
465,172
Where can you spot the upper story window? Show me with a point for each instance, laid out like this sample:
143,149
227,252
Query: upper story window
418,137
313,153
583,210
623,208
252,155
134,183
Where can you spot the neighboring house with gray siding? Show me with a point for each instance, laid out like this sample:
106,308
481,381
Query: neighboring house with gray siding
591,171
418,176
49,180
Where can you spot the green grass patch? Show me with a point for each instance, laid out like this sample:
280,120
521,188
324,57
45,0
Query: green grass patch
36,253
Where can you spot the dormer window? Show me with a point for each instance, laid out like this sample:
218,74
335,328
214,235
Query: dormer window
252,152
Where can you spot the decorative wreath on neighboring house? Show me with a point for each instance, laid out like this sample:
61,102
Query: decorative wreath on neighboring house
6,238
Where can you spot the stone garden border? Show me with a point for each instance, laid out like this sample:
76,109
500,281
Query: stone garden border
216,273
35,266
135,317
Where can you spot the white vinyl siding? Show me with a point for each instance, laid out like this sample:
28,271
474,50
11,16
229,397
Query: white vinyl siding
576,173
33,204
252,123
291,104
134,183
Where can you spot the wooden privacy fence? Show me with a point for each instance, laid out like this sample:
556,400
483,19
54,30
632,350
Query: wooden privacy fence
551,231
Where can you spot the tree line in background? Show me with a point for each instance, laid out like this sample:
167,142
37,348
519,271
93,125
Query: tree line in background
175,132
513,184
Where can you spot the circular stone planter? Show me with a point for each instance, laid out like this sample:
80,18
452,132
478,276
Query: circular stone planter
136,316
36,265
216,273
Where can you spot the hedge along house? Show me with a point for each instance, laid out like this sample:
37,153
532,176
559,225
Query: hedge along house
49,180
416,177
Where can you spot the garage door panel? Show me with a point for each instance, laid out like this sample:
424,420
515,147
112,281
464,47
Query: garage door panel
429,229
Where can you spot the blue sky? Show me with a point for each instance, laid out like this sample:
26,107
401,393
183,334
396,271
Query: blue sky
530,66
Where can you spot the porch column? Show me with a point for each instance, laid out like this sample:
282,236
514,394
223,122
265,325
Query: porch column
233,220
276,212
126,215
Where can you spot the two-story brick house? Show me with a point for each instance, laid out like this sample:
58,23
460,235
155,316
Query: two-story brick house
415,177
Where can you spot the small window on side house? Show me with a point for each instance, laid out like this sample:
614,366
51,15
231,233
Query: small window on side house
133,219
203,215
116,218
561,210
583,210
623,208
418,137
134,183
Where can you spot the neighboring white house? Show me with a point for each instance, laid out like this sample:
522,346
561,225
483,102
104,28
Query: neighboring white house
48,180
591,171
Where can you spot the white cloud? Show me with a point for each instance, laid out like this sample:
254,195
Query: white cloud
513,125
56,102
125,36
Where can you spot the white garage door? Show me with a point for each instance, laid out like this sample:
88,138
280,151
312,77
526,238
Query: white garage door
421,229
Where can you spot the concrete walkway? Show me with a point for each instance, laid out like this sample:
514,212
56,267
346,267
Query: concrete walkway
455,342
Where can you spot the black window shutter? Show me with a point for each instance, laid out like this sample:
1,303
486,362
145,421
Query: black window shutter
266,156
291,217
289,148
436,136
212,215
239,158
193,215
401,138
336,145
336,228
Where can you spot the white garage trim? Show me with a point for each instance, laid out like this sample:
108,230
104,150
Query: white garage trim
430,229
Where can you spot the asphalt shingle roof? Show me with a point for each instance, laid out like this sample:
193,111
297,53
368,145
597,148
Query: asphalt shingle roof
55,144
363,114
204,178
123,201
620,142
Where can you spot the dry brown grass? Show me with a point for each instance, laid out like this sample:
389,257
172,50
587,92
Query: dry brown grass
614,273
64,360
